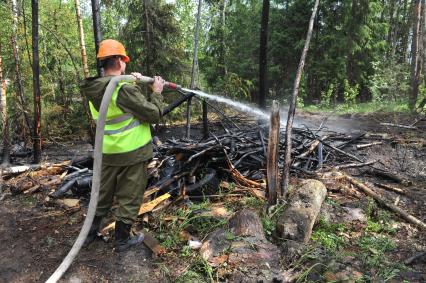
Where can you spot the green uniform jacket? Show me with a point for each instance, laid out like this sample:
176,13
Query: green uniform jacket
131,99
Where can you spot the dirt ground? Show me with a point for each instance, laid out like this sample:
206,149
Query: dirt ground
35,236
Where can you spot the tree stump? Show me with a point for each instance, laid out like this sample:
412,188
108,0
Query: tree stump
242,245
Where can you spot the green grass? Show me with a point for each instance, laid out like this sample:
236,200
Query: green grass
379,220
374,258
199,271
367,107
193,222
329,235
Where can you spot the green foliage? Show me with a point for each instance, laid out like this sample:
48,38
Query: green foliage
199,271
236,87
269,221
327,96
350,93
353,57
194,222
154,41
374,249
390,82
254,203
379,220
328,235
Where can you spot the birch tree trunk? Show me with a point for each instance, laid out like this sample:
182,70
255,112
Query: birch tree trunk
5,120
36,83
82,41
292,109
415,74
18,83
92,126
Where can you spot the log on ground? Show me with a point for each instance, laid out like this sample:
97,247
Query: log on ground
298,219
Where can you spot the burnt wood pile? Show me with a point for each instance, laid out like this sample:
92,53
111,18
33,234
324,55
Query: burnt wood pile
235,151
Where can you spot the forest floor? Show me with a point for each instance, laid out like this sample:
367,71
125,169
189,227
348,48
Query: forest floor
355,240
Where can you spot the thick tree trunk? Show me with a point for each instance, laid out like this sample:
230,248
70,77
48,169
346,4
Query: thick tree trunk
5,120
96,15
415,74
18,83
263,56
36,83
292,109
193,71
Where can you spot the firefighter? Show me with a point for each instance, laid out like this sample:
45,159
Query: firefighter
127,146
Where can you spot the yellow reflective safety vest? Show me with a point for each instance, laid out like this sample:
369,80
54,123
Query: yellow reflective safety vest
123,132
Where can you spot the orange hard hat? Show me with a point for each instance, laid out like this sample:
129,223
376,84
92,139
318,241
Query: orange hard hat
111,47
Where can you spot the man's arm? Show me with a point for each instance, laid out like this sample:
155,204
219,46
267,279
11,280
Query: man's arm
132,100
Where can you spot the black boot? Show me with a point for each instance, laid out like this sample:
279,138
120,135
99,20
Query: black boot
93,232
123,240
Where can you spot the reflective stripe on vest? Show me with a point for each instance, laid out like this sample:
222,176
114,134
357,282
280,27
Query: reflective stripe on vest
123,132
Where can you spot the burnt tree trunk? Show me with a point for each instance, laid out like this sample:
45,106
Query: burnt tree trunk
205,120
415,73
18,83
97,31
263,56
36,83
272,157
292,109
5,120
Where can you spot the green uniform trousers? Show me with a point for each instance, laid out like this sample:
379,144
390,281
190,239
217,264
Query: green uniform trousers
125,183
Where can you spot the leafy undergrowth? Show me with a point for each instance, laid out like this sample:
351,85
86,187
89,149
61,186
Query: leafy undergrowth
338,252
194,220
352,252
367,107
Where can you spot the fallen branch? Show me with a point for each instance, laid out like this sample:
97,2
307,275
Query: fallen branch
385,203
388,175
399,126
412,259
361,146
354,165
390,188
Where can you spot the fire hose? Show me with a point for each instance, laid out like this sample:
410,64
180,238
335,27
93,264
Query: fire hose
97,165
